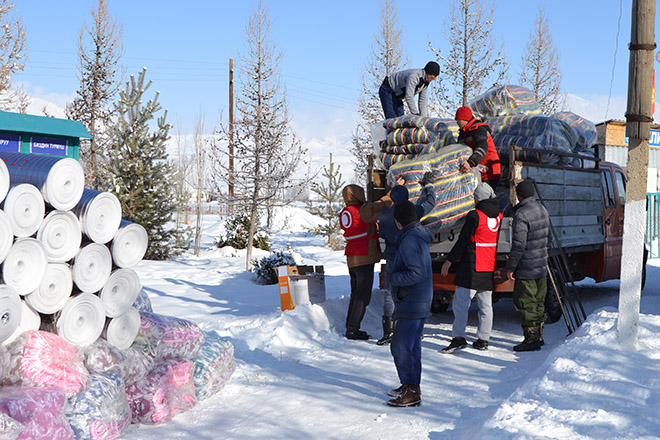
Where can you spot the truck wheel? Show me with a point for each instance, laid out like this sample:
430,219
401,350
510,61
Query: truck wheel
552,307
441,300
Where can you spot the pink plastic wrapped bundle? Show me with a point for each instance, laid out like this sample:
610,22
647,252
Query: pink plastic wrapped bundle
101,411
165,337
165,392
132,364
4,362
40,358
214,365
40,410
10,429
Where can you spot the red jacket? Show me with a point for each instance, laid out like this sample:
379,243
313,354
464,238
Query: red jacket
477,136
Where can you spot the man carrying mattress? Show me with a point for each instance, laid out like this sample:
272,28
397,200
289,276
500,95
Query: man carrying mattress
477,136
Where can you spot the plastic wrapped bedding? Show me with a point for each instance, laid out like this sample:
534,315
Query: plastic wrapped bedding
453,189
533,131
585,130
213,366
39,358
409,135
164,337
101,410
4,361
10,429
504,101
132,364
142,302
167,391
39,410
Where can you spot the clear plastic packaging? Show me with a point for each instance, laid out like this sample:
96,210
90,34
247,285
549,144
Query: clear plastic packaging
214,365
165,337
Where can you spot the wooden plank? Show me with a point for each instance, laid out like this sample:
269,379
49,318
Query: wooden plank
571,176
576,220
570,207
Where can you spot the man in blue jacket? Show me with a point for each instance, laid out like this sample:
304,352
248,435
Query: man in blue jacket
412,289
389,231
527,264
405,84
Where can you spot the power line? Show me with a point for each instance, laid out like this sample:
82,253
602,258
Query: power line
616,48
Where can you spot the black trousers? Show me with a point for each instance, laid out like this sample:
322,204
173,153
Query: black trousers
362,281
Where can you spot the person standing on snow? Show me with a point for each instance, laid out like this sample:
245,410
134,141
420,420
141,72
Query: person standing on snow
477,136
412,289
474,253
358,221
405,84
390,232
527,264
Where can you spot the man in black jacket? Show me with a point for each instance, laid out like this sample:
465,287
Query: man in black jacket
527,264
474,253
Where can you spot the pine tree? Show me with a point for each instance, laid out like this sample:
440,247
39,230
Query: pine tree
97,65
386,58
471,66
540,68
141,175
330,194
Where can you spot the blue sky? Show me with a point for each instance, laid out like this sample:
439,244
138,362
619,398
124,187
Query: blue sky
186,47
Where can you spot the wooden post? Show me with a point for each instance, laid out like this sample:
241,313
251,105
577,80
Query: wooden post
638,127
231,135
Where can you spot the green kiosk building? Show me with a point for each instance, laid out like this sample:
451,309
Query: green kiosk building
30,134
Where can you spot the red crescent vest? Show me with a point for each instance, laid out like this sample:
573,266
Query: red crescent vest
491,158
485,241
355,231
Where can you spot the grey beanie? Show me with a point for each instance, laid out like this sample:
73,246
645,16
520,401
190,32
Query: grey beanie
483,192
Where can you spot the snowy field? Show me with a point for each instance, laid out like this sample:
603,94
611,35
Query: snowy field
297,377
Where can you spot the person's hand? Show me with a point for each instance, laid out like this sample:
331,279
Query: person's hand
465,167
445,268
509,275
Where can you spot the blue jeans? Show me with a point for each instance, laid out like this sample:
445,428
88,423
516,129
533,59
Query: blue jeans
406,349
392,106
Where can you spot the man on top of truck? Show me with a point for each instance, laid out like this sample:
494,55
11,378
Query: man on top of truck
527,264
405,84
477,136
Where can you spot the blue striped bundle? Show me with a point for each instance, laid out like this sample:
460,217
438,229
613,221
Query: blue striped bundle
503,101
453,189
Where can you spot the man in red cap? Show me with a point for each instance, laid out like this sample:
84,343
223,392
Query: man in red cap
477,136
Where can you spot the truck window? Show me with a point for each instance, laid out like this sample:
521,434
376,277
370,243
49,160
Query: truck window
608,188
621,188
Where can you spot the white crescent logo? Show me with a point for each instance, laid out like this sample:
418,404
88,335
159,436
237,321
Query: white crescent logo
493,223
346,220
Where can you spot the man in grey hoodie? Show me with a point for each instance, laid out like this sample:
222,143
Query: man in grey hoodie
405,84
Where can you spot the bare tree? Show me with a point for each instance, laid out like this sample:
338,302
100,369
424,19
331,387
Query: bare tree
472,66
200,174
97,66
540,67
266,152
12,54
386,57
183,167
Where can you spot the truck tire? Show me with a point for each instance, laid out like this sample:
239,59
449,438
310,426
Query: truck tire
441,300
552,307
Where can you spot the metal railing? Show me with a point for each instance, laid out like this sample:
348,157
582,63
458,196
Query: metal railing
653,224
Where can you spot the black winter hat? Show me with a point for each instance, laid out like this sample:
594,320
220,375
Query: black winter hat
432,68
525,189
405,212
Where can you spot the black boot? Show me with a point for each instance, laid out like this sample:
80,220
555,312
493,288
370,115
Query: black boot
531,342
388,330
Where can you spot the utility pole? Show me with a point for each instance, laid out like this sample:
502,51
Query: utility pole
231,135
638,129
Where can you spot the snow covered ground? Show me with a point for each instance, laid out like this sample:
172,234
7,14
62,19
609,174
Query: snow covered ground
298,377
